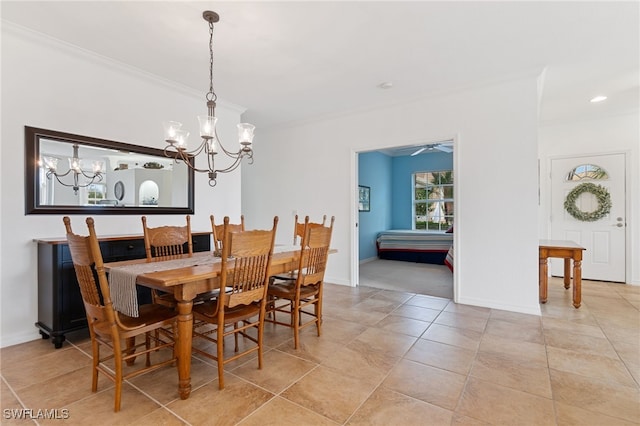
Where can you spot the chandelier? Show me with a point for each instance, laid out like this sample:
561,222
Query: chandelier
176,137
75,168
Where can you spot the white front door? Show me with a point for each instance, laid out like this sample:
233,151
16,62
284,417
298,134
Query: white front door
604,239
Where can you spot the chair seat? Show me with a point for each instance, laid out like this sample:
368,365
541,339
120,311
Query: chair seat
286,277
287,290
149,314
231,315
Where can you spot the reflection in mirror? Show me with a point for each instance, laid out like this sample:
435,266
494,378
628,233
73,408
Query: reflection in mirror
70,173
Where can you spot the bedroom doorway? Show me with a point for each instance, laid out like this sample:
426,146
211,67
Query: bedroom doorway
389,174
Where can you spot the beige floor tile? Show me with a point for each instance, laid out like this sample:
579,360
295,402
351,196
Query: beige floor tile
14,356
210,405
386,407
281,412
522,332
330,393
336,330
442,356
361,317
565,339
596,395
549,323
568,415
383,341
512,373
460,320
474,311
162,384
437,303
158,417
97,409
501,405
314,350
361,364
460,337
416,312
398,296
460,420
33,370
403,325
621,334
515,318
57,392
279,370
596,366
525,352
426,383
382,306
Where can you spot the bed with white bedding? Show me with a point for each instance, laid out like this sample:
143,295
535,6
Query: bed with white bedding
415,246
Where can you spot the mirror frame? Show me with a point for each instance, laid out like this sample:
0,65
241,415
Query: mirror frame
32,197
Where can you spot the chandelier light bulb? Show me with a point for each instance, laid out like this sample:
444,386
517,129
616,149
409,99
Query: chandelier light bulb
171,129
207,126
245,133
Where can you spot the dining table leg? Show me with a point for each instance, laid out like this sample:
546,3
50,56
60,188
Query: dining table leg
185,329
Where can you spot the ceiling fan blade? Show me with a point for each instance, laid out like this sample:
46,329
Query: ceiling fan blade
443,148
418,151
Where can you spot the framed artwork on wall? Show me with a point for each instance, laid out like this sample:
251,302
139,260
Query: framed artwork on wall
364,198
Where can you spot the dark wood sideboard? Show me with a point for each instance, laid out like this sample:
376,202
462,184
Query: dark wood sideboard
60,307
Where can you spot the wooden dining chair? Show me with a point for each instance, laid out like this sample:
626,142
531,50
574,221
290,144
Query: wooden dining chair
307,287
299,227
246,259
109,328
164,243
298,233
219,231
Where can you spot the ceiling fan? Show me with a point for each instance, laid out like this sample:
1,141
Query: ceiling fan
432,147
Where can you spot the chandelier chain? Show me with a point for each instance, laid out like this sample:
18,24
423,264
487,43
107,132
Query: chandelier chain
211,96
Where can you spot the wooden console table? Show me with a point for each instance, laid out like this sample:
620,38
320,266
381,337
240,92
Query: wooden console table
566,250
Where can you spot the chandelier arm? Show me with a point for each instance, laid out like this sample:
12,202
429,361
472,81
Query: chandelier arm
232,167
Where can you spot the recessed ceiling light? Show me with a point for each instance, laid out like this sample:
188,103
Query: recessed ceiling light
385,85
598,99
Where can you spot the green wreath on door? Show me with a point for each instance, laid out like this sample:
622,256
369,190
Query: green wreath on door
602,196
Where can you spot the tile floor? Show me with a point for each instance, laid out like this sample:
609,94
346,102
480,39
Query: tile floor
385,358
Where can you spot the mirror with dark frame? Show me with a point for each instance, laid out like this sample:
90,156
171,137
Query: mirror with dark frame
73,174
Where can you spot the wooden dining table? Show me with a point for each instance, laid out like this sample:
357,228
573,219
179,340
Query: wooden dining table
185,284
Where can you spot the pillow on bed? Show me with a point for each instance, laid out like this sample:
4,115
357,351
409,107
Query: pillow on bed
450,230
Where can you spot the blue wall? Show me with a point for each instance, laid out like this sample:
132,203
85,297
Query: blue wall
403,168
374,171
390,181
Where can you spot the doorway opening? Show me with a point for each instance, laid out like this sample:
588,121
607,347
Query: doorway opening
411,191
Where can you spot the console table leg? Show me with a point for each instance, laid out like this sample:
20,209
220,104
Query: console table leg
567,272
577,283
542,280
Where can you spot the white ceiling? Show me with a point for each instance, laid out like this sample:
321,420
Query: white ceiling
293,61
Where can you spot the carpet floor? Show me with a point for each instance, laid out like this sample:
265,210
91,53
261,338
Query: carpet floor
420,278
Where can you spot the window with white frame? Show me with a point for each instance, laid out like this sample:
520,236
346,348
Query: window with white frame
433,200
96,192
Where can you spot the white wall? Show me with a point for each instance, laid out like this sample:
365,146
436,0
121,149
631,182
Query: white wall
310,168
55,86
612,134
